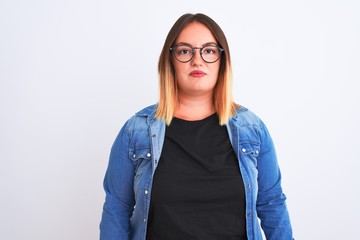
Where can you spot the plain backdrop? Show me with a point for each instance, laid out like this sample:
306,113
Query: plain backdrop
72,72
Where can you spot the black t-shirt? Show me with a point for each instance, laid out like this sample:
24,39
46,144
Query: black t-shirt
197,192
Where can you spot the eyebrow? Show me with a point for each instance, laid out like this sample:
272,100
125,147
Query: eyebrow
205,44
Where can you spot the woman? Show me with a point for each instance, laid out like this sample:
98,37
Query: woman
196,165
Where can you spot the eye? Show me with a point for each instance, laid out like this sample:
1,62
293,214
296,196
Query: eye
183,50
210,50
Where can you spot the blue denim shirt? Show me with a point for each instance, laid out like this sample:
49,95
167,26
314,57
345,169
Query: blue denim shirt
135,155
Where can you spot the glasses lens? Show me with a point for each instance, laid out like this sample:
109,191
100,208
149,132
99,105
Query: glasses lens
183,53
211,53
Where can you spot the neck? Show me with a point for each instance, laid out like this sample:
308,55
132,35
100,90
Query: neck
195,108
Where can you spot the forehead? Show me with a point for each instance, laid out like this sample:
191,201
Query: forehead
195,33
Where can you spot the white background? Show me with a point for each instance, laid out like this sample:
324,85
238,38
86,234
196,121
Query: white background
72,71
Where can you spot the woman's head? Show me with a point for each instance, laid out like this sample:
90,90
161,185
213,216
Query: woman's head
195,60
184,70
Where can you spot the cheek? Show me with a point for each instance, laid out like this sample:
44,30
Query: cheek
180,70
177,67
215,72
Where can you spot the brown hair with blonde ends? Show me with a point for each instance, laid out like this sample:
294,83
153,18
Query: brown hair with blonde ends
168,99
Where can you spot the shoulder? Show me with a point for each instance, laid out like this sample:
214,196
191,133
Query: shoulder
250,125
147,111
245,117
139,121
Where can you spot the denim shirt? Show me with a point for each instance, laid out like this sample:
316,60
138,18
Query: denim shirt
135,155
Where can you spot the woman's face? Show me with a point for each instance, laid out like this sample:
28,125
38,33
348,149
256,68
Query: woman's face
196,77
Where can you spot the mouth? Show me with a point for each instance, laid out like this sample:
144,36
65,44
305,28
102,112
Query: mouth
197,74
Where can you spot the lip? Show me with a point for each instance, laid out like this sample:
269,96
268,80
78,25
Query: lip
197,74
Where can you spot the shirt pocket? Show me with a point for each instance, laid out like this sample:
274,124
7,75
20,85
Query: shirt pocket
137,153
141,157
250,151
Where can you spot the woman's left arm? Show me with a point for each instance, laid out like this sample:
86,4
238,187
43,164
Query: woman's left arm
271,201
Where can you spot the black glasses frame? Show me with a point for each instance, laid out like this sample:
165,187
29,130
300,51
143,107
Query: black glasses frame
173,49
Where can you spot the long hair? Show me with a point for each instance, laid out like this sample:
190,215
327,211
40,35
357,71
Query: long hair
168,96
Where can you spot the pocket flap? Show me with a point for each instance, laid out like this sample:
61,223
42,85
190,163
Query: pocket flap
250,148
140,153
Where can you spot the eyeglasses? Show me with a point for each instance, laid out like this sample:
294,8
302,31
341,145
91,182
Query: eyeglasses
185,52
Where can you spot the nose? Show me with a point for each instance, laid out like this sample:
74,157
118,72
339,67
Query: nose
197,59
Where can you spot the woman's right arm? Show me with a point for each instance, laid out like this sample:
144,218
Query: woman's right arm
118,186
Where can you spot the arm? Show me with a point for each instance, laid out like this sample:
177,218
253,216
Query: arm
271,206
118,186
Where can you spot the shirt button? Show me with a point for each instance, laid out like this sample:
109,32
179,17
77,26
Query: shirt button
243,150
248,186
146,192
148,155
249,214
144,219
134,156
257,151
156,161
